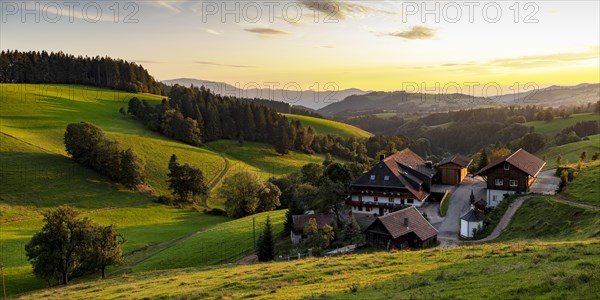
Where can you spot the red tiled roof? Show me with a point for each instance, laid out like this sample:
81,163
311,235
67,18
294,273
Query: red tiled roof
396,226
521,160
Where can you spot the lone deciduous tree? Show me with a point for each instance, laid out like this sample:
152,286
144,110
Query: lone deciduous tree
68,244
186,181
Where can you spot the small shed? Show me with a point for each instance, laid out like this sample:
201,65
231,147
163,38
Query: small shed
470,221
406,228
453,169
297,233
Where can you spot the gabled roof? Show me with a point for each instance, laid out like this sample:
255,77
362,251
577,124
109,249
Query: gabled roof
458,159
403,170
396,225
473,216
322,220
521,160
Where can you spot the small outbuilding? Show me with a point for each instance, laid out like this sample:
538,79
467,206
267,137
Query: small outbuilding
406,228
470,222
453,169
297,234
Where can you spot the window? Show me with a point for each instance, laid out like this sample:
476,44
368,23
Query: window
391,200
372,177
499,182
367,209
360,208
506,167
375,199
360,198
386,178
513,182
409,201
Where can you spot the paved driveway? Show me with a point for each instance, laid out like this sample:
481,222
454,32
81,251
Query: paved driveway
449,227
546,183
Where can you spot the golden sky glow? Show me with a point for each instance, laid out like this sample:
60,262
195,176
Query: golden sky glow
372,45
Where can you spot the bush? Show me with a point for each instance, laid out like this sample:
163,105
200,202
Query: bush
216,212
164,200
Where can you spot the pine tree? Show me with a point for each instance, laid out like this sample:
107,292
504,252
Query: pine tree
483,160
352,232
266,243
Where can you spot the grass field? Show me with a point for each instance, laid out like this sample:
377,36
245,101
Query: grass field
543,218
584,188
558,124
209,247
36,174
505,271
323,126
571,153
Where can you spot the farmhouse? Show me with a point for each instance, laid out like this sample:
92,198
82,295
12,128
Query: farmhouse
453,169
297,234
406,228
400,180
510,174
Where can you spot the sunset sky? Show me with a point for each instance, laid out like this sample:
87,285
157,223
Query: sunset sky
372,45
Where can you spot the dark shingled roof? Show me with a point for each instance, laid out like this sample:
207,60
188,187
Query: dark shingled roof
458,159
473,216
402,169
395,224
322,220
521,160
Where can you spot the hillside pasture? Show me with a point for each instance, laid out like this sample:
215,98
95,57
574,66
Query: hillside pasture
324,126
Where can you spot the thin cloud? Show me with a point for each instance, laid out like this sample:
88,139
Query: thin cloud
532,61
337,9
415,33
210,63
211,31
266,31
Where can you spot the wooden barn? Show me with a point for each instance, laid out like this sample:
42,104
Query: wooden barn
406,228
452,170
510,174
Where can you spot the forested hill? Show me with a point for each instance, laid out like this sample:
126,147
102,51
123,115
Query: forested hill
104,72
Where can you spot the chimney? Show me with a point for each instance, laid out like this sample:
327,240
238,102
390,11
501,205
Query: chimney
381,157
429,164
406,222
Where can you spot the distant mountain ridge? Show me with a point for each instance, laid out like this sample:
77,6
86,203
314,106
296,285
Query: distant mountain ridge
307,98
400,101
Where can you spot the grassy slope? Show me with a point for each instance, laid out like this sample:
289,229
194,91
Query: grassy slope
36,174
542,218
571,153
209,247
585,186
323,126
558,124
541,270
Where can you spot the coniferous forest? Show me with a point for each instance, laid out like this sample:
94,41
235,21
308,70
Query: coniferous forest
103,72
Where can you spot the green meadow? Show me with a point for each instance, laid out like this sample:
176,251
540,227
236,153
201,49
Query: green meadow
558,124
323,126
36,174
571,153
553,270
